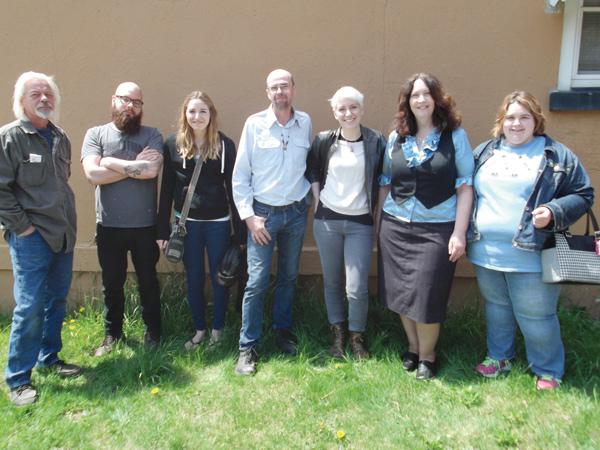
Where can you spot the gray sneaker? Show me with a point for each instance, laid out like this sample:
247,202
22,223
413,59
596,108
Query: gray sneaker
247,362
23,395
106,347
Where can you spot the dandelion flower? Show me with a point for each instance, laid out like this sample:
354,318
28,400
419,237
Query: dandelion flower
154,391
71,327
82,309
64,323
337,366
340,434
72,321
321,424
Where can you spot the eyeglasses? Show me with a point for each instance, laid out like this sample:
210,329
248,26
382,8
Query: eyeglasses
283,87
126,101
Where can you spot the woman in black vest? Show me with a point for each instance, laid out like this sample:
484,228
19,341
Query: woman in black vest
425,199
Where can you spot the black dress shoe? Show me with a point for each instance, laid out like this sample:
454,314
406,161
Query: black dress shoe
246,364
427,370
66,370
410,361
286,341
151,340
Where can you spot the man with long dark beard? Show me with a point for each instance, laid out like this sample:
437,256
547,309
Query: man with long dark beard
122,159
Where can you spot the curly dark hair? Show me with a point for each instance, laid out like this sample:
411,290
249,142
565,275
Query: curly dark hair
445,116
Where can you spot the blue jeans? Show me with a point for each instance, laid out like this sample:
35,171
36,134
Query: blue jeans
286,226
522,299
345,249
214,236
42,282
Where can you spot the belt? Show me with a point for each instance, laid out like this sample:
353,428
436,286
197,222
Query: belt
280,208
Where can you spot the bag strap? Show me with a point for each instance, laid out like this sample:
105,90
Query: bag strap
190,194
592,218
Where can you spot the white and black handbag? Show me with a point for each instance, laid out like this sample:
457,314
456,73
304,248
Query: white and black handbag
573,259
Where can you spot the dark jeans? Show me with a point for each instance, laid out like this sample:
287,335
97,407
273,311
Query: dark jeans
113,245
214,236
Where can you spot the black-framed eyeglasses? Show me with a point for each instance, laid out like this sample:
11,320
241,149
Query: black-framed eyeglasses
126,101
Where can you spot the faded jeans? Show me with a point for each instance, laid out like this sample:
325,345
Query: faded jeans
522,299
42,282
286,225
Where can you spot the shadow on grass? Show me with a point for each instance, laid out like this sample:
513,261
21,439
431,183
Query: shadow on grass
461,346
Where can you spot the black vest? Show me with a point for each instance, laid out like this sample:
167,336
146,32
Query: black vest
433,182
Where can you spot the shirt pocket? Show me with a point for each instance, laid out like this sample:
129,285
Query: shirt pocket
267,154
64,166
301,148
33,173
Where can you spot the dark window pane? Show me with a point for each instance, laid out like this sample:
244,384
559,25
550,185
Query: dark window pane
589,51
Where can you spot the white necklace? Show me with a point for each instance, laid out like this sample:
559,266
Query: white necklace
420,140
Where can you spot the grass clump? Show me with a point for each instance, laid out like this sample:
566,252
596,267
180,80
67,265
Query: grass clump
136,398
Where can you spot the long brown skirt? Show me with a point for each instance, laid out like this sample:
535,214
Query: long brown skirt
414,271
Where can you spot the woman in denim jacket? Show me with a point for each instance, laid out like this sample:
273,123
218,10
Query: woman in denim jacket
343,167
527,187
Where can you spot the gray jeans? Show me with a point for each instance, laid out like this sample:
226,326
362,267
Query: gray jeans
345,249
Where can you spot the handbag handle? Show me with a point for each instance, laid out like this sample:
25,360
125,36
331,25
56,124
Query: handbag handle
592,218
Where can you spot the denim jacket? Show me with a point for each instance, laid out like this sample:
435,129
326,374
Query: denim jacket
562,185
325,144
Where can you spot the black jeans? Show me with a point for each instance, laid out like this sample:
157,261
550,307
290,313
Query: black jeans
113,245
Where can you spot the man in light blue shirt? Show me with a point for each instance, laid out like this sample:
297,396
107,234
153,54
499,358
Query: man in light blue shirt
269,190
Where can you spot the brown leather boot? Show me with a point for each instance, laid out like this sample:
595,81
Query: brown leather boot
339,340
357,344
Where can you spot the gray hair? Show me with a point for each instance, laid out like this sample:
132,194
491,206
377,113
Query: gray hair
19,92
347,92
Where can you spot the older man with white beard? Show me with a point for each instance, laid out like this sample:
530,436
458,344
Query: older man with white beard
37,211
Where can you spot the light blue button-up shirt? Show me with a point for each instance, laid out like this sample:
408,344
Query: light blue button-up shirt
412,210
264,171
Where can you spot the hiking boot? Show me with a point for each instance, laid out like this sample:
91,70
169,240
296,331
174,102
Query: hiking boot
107,345
339,340
65,370
151,340
246,364
357,344
286,341
23,395
491,368
546,382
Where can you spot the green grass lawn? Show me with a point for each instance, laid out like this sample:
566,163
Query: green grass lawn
136,398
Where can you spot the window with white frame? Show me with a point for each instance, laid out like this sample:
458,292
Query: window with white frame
580,50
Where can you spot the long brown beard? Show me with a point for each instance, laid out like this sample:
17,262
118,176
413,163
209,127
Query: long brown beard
126,124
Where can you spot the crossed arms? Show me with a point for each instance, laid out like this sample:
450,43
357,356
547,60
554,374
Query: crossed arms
108,170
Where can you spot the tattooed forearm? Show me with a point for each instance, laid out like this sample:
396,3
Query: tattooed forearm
142,169
133,171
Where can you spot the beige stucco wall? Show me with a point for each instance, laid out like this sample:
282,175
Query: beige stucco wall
479,50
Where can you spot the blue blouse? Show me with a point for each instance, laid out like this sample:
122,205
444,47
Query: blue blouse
412,210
